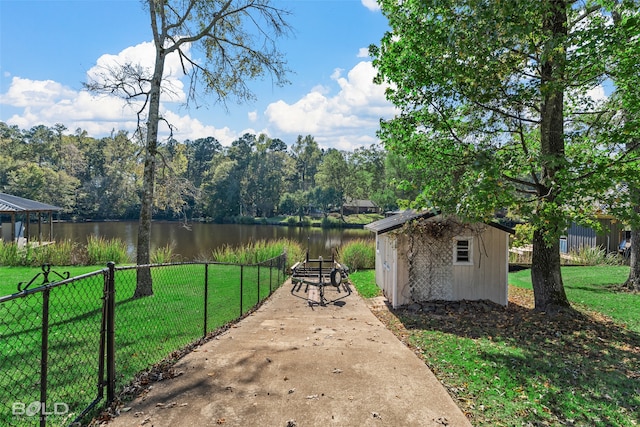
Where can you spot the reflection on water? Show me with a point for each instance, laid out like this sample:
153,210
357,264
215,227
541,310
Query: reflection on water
200,239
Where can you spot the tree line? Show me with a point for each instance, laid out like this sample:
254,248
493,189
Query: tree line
101,178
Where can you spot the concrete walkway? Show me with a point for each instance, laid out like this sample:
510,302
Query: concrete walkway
292,365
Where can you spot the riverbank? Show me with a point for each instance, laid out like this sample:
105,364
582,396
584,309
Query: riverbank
333,220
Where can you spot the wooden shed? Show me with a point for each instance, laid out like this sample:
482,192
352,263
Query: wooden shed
425,256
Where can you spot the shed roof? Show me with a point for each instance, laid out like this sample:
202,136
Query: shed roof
15,204
396,221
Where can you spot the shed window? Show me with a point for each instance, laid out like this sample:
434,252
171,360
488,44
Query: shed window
463,251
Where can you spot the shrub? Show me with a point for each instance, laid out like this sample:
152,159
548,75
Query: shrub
102,251
588,255
292,220
9,254
164,255
58,253
61,253
358,254
262,250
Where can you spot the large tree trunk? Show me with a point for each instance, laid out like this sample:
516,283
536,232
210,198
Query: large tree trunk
546,277
548,289
633,282
144,285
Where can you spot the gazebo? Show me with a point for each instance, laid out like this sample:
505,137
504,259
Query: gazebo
24,209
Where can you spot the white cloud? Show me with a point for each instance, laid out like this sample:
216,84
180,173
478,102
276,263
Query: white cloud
34,93
363,52
46,102
343,115
346,120
371,5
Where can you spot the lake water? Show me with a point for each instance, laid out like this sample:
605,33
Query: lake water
200,239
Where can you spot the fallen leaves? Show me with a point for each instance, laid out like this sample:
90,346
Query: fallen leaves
548,357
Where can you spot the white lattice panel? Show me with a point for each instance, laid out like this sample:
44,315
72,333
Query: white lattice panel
430,268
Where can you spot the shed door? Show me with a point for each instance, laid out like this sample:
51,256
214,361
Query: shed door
430,269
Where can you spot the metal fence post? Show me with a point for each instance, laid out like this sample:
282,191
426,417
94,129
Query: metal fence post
241,291
111,333
44,356
258,284
270,274
206,297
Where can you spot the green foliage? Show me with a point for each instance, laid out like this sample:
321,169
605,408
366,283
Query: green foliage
497,111
306,156
101,251
595,256
365,282
254,253
9,254
523,236
358,254
331,222
306,222
249,220
98,251
58,253
477,67
94,178
164,255
362,218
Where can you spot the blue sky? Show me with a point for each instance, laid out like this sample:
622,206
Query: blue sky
48,47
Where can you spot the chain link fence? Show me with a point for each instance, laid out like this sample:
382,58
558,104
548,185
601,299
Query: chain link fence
66,345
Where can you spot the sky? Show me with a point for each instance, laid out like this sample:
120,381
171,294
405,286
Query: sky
49,48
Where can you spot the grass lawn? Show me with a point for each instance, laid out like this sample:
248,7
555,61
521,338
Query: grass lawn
512,366
147,329
365,282
11,276
596,288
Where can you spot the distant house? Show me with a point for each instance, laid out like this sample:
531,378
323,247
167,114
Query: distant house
357,206
610,236
425,256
